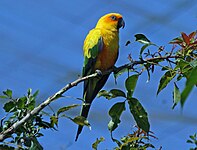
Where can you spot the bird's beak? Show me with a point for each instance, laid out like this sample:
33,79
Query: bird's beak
121,23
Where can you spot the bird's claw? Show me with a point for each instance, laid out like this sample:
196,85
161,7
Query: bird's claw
99,73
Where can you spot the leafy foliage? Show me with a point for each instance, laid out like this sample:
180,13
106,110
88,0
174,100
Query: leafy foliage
178,65
25,137
136,109
181,61
193,140
138,140
97,142
181,64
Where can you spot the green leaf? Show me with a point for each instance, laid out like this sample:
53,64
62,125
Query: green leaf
29,91
105,94
147,66
36,145
45,125
191,81
142,39
6,147
179,77
130,84
127,43
117,93
111,94
165,68
129,139
116,141
36,94
189,141
3,97
182,64
139,114
8,93
116,74
27,142
54,120
193,137
176,95
165,80
115,113
185,67
63,109
80,120
97,142
9,106
193,63
31,105
143,48
176,40
39,134
21,103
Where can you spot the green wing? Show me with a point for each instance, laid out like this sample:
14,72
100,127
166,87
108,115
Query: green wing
93,45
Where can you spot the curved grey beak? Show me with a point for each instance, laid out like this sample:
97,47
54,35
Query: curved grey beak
121,23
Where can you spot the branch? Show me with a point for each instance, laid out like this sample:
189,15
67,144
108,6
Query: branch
36,110
5,134
142,61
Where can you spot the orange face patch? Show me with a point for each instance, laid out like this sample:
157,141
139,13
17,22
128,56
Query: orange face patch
109,21
112,18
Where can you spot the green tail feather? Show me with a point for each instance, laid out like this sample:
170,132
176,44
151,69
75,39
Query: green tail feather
91,89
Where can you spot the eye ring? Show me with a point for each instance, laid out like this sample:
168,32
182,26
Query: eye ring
113,17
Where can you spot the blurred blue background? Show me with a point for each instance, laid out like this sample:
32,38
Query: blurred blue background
41,48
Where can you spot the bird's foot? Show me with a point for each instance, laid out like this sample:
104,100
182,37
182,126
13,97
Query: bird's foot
99,73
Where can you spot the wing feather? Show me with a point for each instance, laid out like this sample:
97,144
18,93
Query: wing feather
93,45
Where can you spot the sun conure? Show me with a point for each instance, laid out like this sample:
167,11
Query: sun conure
100,53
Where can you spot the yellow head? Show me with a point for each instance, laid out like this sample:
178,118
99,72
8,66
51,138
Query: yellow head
112,21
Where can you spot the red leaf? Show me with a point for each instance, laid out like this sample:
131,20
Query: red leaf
185,38
192,35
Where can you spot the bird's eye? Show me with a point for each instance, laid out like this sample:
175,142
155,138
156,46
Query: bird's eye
113,17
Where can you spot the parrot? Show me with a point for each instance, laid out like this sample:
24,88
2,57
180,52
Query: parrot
101,49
